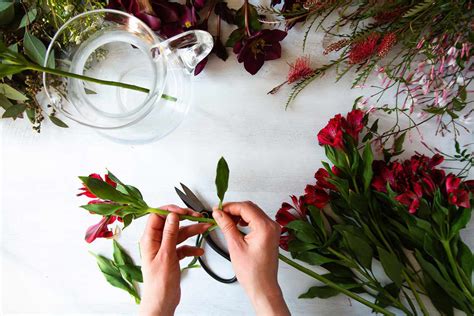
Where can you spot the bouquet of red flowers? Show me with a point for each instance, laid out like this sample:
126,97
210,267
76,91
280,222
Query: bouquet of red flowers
407,215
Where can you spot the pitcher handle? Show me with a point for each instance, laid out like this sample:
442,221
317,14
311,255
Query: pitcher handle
191,47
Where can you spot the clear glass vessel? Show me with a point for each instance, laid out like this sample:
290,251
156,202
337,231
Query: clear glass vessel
115,46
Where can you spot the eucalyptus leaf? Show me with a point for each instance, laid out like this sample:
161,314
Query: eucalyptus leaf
222,179
14,111
36,50
28,18
10,92
56,121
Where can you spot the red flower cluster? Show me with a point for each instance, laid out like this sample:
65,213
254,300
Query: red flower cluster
316,195
417,178
99,230
332,133
374,43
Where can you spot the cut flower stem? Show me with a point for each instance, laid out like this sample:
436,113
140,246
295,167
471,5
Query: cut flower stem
287,260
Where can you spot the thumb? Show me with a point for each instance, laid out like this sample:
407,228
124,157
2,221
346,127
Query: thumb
170,234
228,227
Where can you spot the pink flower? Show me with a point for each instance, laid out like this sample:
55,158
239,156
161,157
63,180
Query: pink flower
100,230
332,134
300,69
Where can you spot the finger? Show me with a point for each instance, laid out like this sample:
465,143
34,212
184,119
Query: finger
243,223
248,211
189,251
228,227
170,234
191,230
151,239
180,210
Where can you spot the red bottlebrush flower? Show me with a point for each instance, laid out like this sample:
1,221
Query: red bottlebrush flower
353,123
86,192
409,199
332,134
300,69
360,51
322,177
288,213
386,44
315,196
258,48
100,230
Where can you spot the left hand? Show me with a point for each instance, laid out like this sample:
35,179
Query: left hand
160,259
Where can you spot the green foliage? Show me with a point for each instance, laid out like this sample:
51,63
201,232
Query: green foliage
222,179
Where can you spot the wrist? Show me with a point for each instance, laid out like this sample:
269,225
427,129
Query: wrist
269,301
151,308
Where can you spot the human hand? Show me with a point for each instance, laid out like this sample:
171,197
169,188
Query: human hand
255,255
160,259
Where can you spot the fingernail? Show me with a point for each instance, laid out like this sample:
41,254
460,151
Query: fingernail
217,214
172,218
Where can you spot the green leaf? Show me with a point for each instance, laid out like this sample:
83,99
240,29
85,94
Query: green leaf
129,189
112,274
398,143
28,18
313,258
56,121
135,272
36,51
253,18
303,231
466,259
31,114
222,179
8,70
360,248
120,256
296,245
7,12
102,209
391,265
367,172
235,37
438,296
14,111
11,93
104,191
460,221
320,292
382,299
4,102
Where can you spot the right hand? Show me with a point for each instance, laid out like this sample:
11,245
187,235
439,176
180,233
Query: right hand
255,255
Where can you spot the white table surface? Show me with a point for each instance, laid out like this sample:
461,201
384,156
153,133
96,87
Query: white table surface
272,153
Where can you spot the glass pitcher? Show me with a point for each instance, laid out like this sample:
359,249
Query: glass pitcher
117,47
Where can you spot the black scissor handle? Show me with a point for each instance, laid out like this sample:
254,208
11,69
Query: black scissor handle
222,253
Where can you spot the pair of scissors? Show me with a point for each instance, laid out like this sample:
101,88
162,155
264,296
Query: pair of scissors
191,201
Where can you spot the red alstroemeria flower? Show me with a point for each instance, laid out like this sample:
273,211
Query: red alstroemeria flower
452,183
332,134
322,177
353,123
100,230
285,238
409,199
316,196
288,213
86,192
459,198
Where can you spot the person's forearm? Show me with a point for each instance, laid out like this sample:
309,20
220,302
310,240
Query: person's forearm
270,303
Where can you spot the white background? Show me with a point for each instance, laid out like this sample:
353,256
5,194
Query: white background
272,153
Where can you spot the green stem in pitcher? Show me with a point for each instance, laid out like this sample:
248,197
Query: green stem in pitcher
62,73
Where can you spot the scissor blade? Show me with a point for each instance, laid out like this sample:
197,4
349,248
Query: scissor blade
184,198
193,198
